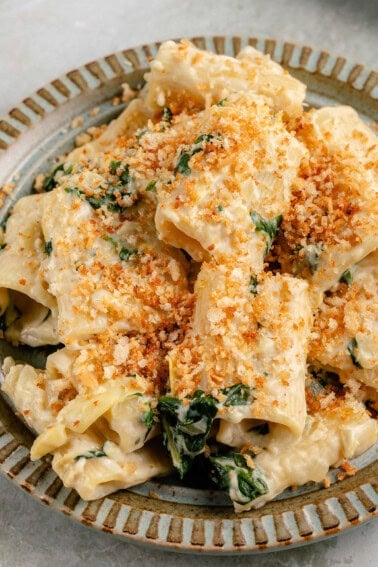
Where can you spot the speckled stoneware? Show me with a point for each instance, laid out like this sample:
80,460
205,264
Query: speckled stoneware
165,513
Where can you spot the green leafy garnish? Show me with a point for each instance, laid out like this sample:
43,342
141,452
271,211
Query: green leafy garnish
313,252
186,423
108,198
48,247
113,166
49,183
268,227
108,238
126,253
204,138
123,252
152,185
352,348
182,165
346,277
231,472
219,208
2,246
236,395
253,283
95,454
140,135
167,115
149,419
95,202
310,258
186,426
222,102
122,171
125,176
74,191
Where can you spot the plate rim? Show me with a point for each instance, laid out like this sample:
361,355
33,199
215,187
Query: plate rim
251,532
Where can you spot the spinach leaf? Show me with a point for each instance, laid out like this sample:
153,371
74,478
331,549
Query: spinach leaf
352,348
204,138
346,277
167,115
313,252
49,183
182,165
152,185
149,419
140,135
95,454
253,283
309,258
107,198
126,253
236,395
125,176
123,252
122,171
48,247
186,426
74,191
231,472
183,162
268,227
113,166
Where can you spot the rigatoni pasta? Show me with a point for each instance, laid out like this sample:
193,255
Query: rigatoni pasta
208,265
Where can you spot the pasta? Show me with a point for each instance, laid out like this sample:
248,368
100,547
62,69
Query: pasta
208,269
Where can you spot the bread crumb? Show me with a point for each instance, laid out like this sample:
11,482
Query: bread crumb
76,122
127,92
82,139
349,469
249,461
38,183
6,190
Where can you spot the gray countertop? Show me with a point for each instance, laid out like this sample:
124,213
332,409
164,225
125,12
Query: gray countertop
40,39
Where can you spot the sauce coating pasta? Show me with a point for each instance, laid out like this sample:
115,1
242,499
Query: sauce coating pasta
208,266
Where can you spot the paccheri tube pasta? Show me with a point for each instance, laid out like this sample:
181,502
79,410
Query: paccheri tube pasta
209,265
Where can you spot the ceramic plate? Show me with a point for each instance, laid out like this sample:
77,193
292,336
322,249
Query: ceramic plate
164,513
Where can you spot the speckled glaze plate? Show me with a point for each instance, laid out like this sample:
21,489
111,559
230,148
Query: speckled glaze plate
164,513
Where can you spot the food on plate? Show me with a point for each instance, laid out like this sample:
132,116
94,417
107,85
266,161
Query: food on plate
207,268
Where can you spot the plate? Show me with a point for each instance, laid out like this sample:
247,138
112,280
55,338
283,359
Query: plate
166,513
